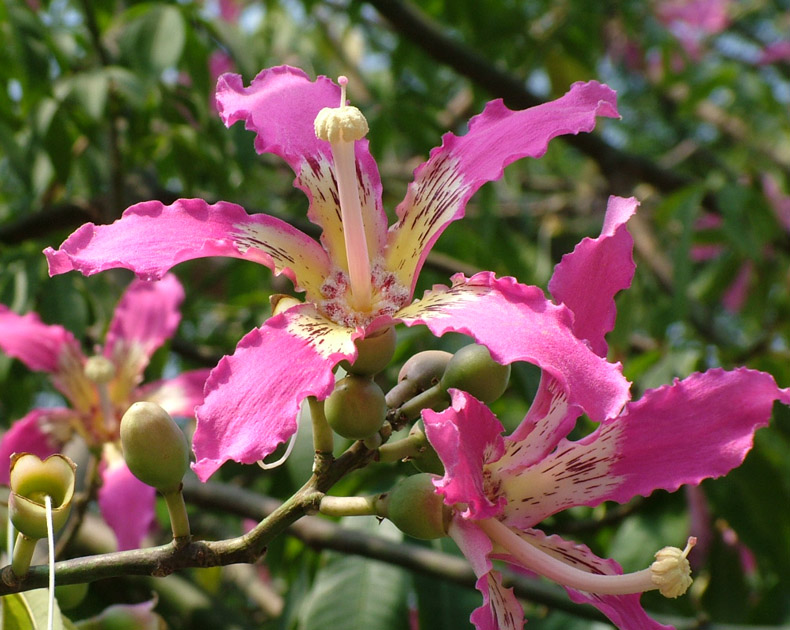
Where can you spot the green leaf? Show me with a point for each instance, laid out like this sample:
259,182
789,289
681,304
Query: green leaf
442,605
29,611
353,592
89,90
155,40
680,210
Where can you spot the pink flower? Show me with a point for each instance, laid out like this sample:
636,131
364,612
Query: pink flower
100,389
692,21
360,277
778,201
500,488
775,53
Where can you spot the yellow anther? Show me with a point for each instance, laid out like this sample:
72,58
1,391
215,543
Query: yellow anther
341,124
99,369
671,571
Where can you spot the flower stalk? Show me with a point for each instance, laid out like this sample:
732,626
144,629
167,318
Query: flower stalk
350,506
323,437
179,521
23,554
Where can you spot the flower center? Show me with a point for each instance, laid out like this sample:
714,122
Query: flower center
387,296
101,371
341,127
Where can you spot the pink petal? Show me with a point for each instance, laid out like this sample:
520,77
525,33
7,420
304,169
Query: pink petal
549,419
738,292
708,16
178,395
779,202
624,611
280,106
587,279
253,397
230,10
700,427
500,610
144,319
126,504
150,238
36,433
453,173
38,345
466,437
517,323
776,52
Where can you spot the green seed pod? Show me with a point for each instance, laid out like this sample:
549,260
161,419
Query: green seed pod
474,371
420,372
426,460
416,509
374,352
31,480
154,447
356,409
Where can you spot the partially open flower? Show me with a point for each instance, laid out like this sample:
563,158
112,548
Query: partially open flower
31,481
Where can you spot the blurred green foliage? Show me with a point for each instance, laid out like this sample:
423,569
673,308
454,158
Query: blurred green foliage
105,104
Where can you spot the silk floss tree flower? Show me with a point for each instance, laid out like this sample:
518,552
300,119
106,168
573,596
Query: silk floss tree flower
99,389
360,278
499,488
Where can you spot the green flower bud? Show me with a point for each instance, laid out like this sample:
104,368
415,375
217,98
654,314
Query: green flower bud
70,595
154,447
416,509
474,371
420,372
374,352
356,409
426,460
125,617
31,480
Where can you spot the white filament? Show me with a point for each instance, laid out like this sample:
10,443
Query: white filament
280,461
51,547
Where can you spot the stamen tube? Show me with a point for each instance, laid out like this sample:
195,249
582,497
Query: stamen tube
531,557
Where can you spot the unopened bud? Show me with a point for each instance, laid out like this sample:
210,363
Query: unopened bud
154,447
126,617
426,460
420,372
416,509
356,409
373,352
474,371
